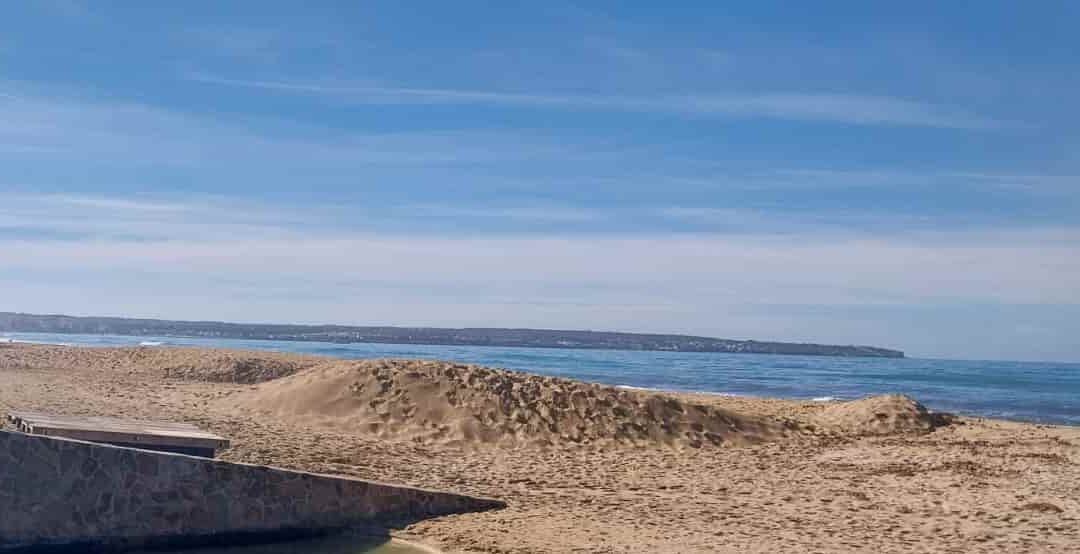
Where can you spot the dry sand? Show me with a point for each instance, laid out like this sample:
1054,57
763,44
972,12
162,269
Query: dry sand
589,468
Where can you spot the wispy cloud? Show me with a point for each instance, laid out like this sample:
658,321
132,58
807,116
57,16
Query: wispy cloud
102,131
853,109
208,217
759,221
891,177
141,218
115,203
538,213
170,218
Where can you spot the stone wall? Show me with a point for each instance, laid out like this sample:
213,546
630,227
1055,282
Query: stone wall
92,496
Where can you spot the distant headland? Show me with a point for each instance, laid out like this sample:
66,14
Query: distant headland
536,338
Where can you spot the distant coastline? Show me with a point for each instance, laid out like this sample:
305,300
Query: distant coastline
535,338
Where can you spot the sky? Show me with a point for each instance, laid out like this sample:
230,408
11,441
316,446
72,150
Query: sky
903,175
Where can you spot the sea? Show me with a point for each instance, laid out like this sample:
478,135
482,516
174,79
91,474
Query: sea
1043,392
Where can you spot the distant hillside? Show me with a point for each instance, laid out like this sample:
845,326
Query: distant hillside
540,338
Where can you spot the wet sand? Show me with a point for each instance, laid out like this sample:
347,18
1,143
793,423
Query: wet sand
973,486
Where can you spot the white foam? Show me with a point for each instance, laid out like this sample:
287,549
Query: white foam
150,343
824,399
683,391
24,341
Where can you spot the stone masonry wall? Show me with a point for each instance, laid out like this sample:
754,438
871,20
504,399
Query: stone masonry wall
58,491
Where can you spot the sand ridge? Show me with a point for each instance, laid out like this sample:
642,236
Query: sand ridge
881,415
458,403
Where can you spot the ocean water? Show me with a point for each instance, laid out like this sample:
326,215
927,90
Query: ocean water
1028,391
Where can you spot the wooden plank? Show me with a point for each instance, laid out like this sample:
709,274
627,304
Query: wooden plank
105,426
112,424
133,438
116,430
107,422
129,438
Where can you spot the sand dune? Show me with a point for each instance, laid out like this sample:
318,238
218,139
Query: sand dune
448,402
881,415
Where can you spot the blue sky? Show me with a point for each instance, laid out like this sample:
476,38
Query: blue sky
905,176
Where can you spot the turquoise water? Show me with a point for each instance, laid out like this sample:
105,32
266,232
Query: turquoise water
1044,392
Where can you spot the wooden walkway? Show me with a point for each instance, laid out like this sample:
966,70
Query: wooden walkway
164,436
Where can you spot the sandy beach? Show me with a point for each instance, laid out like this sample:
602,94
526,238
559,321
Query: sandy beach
590,468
